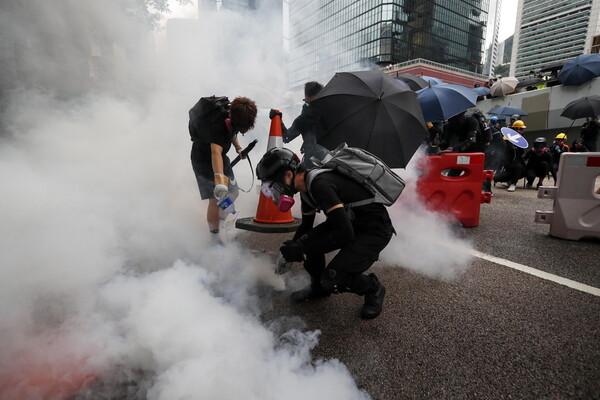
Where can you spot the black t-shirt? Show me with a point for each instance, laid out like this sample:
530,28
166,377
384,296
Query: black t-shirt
331,188
218,134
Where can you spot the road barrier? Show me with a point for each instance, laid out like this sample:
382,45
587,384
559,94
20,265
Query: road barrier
576,211
451,183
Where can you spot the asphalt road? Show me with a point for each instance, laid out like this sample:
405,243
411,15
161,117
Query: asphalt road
494,333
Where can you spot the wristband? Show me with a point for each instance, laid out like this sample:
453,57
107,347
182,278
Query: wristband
221,179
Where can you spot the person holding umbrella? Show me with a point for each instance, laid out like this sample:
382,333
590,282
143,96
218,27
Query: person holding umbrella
360,233
589,133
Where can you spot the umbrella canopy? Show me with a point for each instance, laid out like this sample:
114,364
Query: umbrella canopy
370,110
503,86
530,81
432,80
584,107
506,111
440,102
481,90
555,66
414,82
581,69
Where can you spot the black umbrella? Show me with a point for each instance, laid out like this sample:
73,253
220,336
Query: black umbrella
414,82
369,110
588,106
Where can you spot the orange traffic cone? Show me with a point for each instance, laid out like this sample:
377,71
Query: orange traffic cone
267,212
268,218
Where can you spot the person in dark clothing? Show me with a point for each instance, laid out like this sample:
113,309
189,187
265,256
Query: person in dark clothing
435,137
556,149
359,233
211,165
578,147
306,124
512,167
460,134
589,133
539,162
494,153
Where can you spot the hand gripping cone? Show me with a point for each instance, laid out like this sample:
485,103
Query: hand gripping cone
268,219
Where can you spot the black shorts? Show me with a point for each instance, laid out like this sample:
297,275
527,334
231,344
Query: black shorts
205,176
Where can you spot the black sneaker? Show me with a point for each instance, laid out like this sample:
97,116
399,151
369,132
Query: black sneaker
373,301
309,293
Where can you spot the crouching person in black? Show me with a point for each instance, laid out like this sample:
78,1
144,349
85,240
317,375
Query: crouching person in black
360,233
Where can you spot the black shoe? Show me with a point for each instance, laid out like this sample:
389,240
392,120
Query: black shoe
373,301
309,293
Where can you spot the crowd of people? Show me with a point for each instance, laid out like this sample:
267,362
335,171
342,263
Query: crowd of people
467,133
359,233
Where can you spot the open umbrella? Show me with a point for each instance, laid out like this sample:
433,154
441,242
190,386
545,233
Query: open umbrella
581,69
481,90
506,111
555,66
432,80
584,107
370,110
503,86
414,82
440,102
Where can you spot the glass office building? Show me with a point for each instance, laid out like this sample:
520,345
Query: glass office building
549,31
326,36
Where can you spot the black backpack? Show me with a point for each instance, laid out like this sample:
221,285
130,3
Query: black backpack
206,112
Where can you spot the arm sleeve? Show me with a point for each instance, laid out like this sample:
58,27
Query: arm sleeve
305,226
332,234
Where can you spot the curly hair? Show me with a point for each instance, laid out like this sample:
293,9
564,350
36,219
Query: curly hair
243,114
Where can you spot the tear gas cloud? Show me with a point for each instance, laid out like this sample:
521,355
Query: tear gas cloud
105,272
104,268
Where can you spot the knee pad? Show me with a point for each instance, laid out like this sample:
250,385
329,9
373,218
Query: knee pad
330,281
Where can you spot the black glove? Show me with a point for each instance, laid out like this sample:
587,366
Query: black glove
273,113
293,250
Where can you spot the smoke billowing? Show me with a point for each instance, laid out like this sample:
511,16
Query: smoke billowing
106,276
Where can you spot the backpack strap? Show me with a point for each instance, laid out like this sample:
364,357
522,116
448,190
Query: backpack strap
313,173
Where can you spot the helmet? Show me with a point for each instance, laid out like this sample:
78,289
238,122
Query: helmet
562,136
494,119
540,140
518,124
274,162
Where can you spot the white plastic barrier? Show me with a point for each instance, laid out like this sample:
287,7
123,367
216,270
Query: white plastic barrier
576,211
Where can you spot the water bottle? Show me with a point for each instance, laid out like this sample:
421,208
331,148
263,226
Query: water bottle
227,207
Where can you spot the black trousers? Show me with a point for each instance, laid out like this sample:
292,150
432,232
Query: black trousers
345,271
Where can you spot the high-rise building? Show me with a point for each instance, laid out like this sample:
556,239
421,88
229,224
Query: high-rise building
326,36
550,31
493,55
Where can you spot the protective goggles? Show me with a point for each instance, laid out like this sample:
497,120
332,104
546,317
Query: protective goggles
276,191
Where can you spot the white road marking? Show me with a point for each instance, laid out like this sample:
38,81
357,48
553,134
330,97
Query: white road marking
540,274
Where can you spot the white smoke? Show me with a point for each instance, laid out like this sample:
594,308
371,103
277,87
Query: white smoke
108,287
426,242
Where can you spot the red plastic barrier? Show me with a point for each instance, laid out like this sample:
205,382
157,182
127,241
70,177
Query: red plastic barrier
460,195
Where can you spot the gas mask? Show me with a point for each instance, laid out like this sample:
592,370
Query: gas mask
281,194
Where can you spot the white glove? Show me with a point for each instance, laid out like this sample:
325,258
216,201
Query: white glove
220,192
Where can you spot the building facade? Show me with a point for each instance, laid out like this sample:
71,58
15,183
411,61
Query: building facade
550,31
327,36
493,55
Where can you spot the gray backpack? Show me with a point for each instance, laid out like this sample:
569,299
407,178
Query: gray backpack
363,167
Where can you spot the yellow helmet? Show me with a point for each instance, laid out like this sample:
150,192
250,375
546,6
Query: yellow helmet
518,124
562,136
429,125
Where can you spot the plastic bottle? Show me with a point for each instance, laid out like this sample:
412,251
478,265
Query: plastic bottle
227,207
